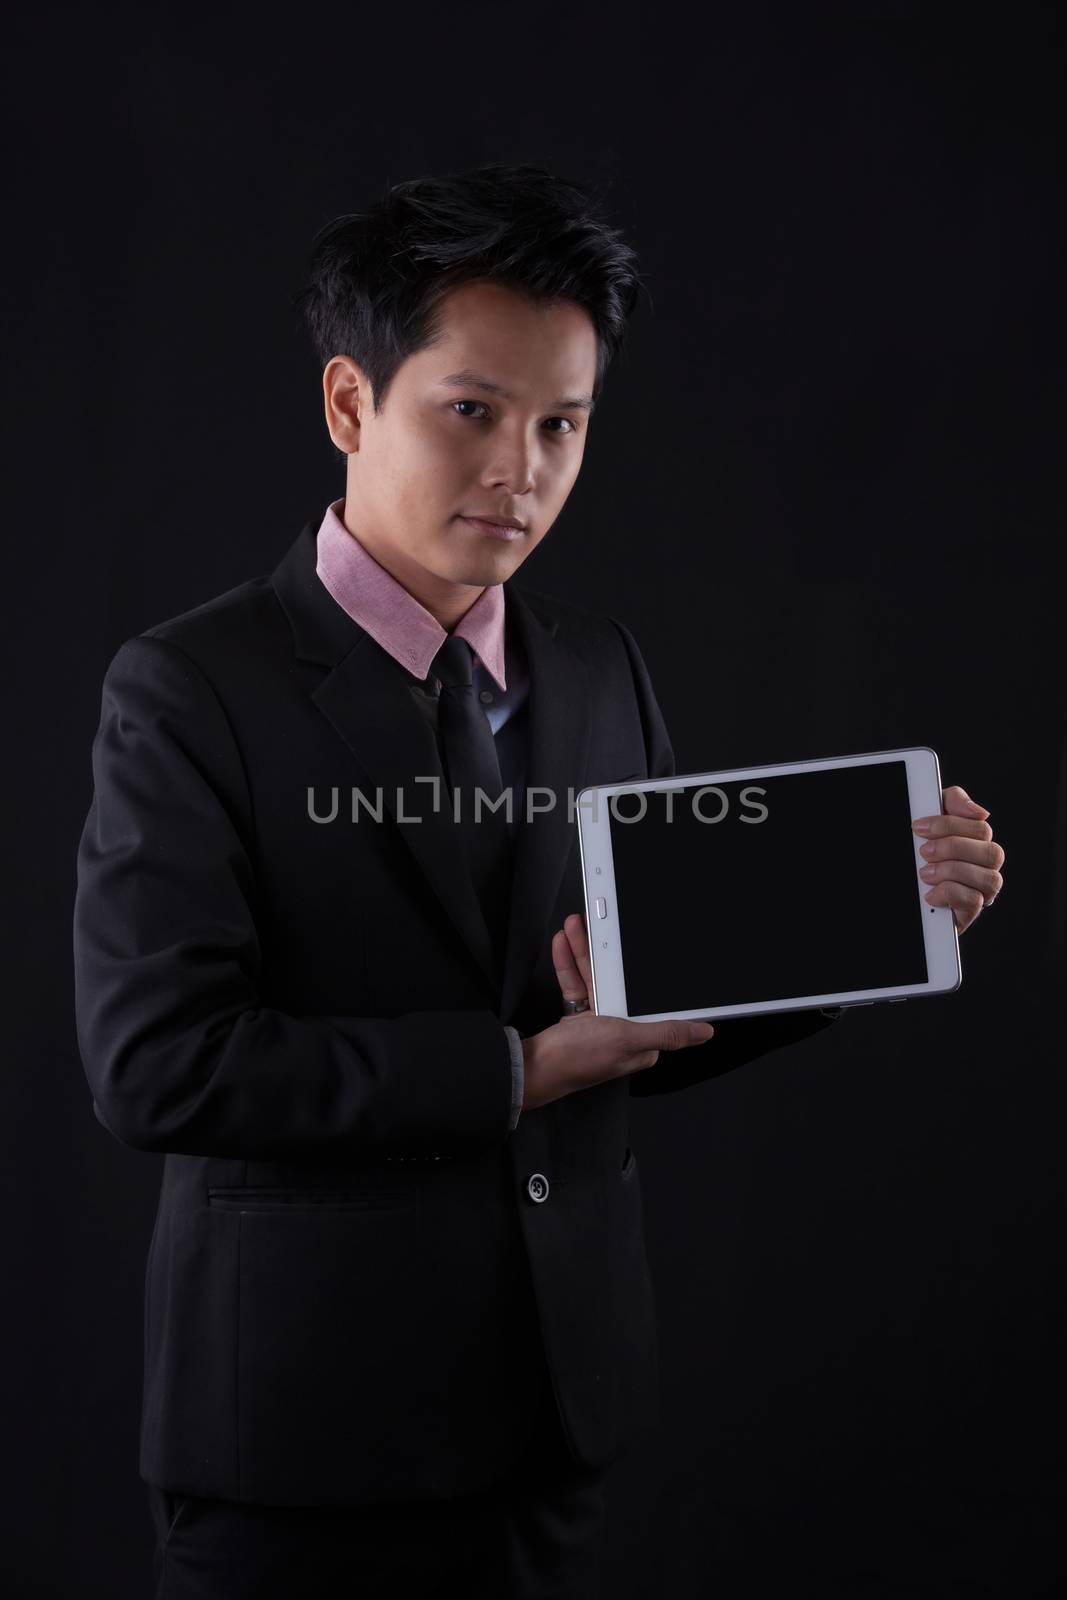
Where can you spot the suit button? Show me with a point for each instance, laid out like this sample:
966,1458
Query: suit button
537,1187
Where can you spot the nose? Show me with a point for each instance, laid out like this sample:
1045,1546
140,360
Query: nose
512,466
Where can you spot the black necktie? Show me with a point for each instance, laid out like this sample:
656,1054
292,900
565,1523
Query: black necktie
470,762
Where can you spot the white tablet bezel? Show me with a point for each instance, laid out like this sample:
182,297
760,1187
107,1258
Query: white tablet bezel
598,883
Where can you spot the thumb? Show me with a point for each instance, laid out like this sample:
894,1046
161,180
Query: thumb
674,1034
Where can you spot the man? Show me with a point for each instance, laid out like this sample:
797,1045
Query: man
398,1317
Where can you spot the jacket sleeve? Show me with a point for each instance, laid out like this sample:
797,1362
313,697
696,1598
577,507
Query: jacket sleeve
179,1049
518,1075
736,1039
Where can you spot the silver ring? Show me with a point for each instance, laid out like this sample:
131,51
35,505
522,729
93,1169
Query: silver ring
571,1007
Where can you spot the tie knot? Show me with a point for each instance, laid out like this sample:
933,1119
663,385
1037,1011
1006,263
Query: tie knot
454,664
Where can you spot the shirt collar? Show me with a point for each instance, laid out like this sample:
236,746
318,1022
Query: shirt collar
392,616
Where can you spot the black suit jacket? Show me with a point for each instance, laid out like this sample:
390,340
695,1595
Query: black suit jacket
350,1287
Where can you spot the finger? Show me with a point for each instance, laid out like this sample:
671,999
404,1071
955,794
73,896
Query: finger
986,880
960,847
672,1034
966,903
958,803
955,826
578,939
571,983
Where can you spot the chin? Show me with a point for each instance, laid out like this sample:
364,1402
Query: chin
487,576
491,568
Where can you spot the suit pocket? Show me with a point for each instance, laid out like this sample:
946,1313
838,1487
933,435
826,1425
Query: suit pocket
313,1202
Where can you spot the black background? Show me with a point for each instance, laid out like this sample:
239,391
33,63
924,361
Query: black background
825,491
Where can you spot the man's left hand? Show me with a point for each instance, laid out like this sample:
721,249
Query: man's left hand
963,859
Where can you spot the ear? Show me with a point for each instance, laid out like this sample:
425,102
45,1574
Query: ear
345,392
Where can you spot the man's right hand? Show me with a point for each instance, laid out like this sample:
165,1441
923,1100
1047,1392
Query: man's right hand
584,1049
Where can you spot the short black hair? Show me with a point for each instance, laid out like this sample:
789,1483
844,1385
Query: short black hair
376,278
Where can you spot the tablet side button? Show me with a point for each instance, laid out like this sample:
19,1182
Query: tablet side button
601,907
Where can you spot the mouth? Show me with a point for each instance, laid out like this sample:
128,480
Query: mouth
493,530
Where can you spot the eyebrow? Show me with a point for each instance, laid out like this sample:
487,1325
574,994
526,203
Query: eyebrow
474,380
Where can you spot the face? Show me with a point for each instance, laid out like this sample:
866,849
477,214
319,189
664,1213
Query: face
440,451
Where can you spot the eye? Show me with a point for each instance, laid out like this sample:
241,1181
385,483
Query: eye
571,427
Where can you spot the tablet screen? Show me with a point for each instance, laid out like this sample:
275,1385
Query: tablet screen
767,888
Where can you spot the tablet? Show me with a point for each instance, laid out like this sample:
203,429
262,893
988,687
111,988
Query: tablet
762,889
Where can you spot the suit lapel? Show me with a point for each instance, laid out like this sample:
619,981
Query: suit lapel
560,711
365,695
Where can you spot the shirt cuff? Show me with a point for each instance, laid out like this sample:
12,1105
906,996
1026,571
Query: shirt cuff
518,1074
